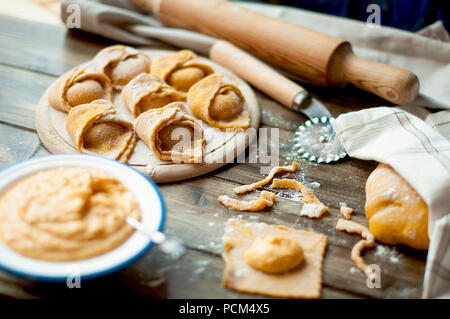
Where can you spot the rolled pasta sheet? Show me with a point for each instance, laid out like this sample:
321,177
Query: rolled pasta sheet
181,70
121,64
77,87
97,128
147,92
172,134
221,105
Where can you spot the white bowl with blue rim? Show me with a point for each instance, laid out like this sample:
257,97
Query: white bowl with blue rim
152,218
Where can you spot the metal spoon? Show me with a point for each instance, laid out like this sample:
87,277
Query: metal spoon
169,246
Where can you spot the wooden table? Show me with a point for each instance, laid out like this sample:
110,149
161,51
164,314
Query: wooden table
32,55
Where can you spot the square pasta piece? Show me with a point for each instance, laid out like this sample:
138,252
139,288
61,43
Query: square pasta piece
304,281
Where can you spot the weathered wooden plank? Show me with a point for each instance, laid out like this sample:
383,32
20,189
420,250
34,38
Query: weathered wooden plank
20,92
343,181
196,216
157,269
155,275
28,140
198,201
24,46
198,219
194,207
16,145
44,48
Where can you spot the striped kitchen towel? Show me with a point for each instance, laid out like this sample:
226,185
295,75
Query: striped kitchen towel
418,148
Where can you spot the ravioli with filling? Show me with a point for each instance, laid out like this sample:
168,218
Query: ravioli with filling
97,128
172,134
77,87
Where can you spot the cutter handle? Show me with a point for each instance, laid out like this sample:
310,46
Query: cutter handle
257,73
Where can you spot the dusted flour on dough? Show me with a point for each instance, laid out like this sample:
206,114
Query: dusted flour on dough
303,281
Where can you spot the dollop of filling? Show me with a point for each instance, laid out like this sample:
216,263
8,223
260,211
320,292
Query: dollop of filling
225,106
84,92
274,254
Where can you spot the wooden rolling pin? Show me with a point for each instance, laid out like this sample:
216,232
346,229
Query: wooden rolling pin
315,57
257,73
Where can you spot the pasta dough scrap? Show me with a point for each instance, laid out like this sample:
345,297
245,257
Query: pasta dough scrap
303,281
121,64
220,104
97,128
313,210
277,169
172,134
266,199
346,212
181,70
313,207
77,87
396,212
147,92
368,242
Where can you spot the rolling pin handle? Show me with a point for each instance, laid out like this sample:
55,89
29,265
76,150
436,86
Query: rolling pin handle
394,84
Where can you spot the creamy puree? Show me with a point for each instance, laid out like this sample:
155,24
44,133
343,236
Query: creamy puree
66,214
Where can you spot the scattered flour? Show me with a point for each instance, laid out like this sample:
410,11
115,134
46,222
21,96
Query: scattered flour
314,185
156,282
389,253
240,272
354,270
390,194
290,194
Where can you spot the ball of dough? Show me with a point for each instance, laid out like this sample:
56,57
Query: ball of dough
84,92
225,106
183,79
396,212
274,254
128,69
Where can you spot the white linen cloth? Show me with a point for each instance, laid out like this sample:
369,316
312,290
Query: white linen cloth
421,155
412,140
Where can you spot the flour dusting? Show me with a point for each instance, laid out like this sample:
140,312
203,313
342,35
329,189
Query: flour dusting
391,254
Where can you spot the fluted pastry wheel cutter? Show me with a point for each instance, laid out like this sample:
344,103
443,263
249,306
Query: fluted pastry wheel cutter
315,140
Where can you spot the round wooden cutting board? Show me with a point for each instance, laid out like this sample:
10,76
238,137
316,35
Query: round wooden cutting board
220,146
